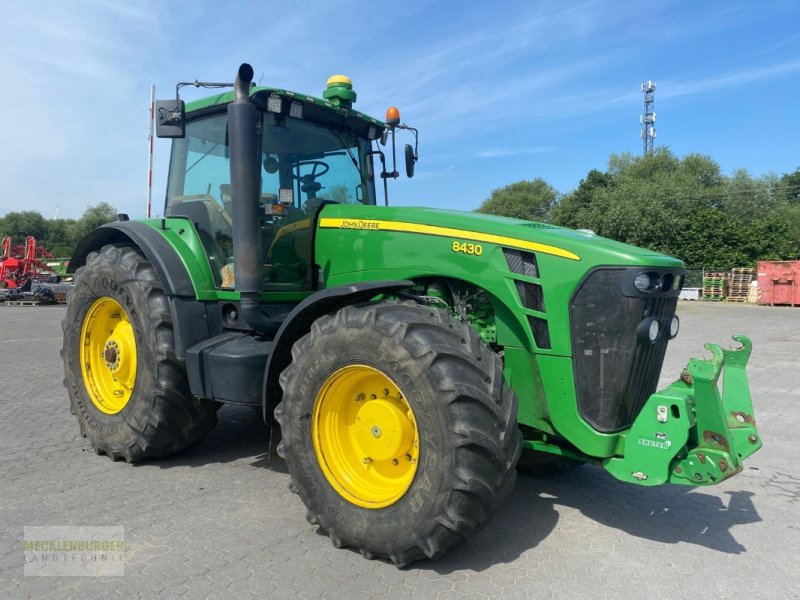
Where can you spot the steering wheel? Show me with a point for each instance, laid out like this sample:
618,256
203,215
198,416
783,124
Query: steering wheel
308,182
314,164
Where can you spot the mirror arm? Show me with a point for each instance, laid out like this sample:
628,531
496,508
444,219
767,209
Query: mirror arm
415,133
199,84
384,175
393,174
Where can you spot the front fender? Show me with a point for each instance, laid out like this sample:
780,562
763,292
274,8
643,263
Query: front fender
299,321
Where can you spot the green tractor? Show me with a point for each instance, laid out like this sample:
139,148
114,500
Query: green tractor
408,355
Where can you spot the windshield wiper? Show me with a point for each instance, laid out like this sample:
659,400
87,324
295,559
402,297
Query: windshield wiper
352,157
194,164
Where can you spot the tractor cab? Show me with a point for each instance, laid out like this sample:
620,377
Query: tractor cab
310,152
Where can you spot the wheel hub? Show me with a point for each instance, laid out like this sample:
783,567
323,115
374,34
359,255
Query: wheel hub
365,436
108,355
111,355
383,429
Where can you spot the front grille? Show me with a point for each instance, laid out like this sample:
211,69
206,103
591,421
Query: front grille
614,373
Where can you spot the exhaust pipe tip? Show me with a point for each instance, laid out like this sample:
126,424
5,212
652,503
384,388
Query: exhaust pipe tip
245,72
244,77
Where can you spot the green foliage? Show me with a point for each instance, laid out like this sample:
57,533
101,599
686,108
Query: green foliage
531,200
95,216
59,236
683,207
339,192
19,225
574,205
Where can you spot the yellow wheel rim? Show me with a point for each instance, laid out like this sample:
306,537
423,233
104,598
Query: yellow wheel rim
108,355
365,437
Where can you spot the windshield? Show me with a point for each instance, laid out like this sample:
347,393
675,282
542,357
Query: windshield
314,162
302,165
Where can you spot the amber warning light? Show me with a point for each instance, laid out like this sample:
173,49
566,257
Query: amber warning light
392,116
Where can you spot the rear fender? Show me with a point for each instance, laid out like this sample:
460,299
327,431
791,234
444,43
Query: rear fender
165,260
191,320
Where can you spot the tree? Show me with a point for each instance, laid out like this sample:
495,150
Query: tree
530,200
19,225
687,208
574,207
339,192
95,216
789,187
59,236
62,236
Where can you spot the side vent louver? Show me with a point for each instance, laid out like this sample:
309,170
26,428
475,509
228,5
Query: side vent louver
521,262
531,295
541,332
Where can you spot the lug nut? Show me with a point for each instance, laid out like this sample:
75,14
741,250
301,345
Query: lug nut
367,460
723,465
753,439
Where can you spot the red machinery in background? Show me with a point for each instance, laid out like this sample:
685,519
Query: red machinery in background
20,266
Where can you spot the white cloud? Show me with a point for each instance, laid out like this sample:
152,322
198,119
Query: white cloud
502,152
742,77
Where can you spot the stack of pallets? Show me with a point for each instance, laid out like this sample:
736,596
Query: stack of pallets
715,286
739,284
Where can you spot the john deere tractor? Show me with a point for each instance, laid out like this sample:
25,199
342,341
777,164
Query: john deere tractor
409,356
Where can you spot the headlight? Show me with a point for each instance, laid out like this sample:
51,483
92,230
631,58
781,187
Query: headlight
653,330
648,331
642,282
674,326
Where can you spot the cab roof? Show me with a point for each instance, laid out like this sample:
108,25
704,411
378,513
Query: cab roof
263,93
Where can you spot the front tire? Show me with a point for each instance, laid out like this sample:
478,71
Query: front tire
398,430
126,386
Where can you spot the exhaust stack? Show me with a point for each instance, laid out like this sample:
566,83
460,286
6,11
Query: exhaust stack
245,195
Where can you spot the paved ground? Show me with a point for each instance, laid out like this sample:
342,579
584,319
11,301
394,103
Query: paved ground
218,521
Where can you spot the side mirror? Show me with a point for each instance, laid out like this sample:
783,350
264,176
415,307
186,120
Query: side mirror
384,137
170,118
410,160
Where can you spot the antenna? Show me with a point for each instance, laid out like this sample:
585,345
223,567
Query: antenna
648,119
150,122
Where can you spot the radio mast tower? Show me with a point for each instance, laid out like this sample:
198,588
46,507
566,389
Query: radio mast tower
648,119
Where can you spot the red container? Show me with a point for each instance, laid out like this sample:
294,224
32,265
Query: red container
779,282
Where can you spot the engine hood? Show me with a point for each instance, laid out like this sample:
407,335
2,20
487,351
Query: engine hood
558,241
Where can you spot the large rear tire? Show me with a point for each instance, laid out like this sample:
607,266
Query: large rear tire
398,430
126,386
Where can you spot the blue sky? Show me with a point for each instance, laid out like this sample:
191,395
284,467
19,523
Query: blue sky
500,91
